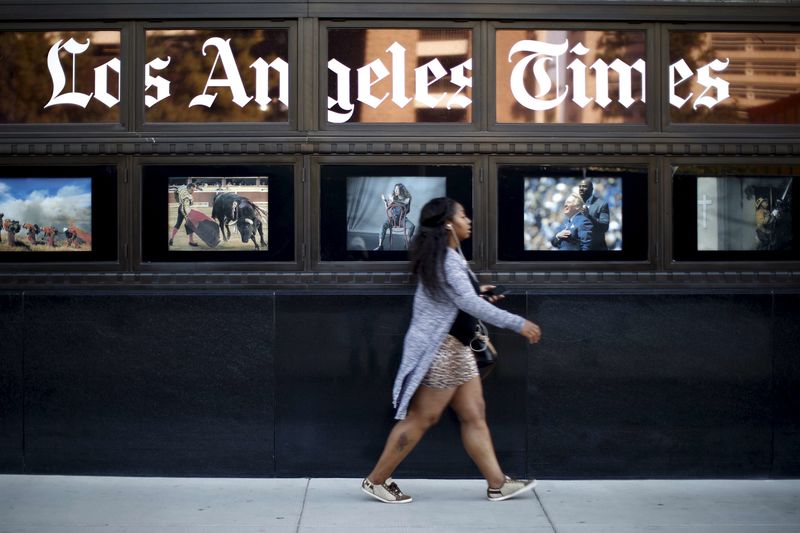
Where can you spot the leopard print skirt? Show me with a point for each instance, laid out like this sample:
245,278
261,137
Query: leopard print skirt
453,365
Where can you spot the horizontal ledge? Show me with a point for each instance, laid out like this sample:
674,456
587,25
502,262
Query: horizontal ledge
516,281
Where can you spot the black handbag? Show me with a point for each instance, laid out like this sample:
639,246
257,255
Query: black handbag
472,332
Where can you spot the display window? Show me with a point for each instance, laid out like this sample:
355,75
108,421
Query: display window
217,213
572,213
734,212
58,214
371,212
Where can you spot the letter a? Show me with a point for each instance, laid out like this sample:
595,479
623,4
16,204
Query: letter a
232,78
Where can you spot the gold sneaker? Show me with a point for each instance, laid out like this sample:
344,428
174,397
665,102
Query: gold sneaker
510,488
388,492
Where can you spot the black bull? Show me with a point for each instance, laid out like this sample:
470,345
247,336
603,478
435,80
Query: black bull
230,207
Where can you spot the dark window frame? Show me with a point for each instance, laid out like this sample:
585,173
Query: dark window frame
122,261
703,130
478,107
191,128
296,264
652,119
476,211
668,213
649,263
127,53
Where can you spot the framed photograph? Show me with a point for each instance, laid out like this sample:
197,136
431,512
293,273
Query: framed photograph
371,212
572,213
58,214
734,213
199,213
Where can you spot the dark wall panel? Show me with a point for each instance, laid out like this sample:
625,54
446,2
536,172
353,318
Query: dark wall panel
632,386
11,413
253,384
787,384
176,384
335,365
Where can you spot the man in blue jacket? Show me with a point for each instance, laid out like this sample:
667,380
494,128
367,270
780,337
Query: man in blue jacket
576,231
596,210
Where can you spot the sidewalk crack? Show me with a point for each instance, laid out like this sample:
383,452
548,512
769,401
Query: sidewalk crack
303,506
546,515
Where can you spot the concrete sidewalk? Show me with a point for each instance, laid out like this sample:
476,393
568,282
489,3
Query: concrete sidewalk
47,504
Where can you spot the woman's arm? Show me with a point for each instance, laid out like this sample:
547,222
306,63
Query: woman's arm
459,288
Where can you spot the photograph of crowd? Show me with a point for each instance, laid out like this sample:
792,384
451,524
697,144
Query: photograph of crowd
218,213
572,213
383,211
46,214
744,213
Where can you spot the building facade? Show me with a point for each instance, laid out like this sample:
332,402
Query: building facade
206,209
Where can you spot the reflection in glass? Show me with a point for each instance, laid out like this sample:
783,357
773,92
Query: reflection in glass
570,77
735,78
400,75
59,76
217,75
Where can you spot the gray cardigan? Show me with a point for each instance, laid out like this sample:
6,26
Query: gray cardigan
431,321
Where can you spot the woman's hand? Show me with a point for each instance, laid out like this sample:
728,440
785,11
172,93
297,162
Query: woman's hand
490,297
531,332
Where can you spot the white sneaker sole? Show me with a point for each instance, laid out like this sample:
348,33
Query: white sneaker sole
365,491
529,486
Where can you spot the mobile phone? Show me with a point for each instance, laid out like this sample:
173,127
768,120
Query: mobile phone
499,290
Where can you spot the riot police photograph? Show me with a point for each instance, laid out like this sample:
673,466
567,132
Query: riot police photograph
744,213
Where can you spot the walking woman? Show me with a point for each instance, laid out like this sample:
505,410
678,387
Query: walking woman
437,370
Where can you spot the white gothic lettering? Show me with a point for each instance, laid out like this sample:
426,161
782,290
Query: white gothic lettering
375,71
545,58
546,62
59,78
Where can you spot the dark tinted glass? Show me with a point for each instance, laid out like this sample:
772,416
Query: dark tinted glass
217,75
570,76
734,78
401,75
59,76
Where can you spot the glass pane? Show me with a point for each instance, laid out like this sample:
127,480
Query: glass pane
734,78
217,75
59,76
570,76
400,75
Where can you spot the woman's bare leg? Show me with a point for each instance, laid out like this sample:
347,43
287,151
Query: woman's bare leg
470,407
424,411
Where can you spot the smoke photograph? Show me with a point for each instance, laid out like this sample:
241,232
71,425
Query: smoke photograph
46,214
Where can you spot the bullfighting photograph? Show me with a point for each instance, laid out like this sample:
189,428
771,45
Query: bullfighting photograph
218,213
572,213
383,211
45,214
